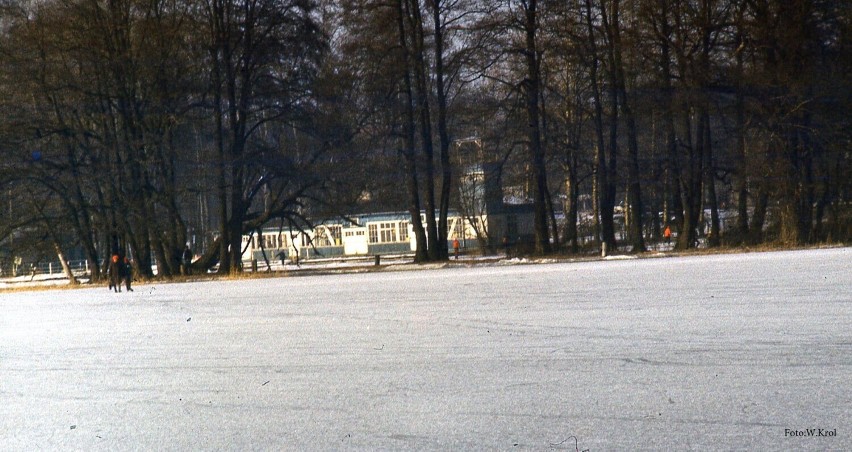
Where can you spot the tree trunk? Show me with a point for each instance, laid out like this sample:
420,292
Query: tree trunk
422,90
740,175
797,210
216,57
443,135
610,189
634,189
536,149
603,201
710,183
72,280
691,185
421,252
674,210
570,208
758,219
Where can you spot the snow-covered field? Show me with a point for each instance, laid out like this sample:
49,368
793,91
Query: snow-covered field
722,352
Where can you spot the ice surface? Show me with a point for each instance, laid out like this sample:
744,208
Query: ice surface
723,352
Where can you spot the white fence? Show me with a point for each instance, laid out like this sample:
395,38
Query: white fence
78,267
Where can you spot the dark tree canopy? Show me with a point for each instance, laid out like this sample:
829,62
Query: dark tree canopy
136,127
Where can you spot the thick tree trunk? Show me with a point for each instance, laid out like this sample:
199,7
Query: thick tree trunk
536,149
443,135
674,210
221,155
425,116
634,189
691,178
797,208
741,172
421,251
610,189
603,201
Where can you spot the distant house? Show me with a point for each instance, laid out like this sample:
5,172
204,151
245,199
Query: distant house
482,219
358,235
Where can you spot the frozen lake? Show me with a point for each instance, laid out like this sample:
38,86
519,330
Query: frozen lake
721,352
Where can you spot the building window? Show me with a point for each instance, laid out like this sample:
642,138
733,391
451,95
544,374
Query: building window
388,232
374,233
321,236
336,232
458,228
269,241
403,231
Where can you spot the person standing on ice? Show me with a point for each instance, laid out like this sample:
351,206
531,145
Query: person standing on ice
127,271
186,260
506,245
115,273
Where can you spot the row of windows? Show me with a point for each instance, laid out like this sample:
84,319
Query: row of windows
391,232
324,236
328,235
331,235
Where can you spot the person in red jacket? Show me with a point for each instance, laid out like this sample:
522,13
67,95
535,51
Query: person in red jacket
115,273
456,247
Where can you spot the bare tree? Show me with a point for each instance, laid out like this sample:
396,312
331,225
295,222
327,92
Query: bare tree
263,55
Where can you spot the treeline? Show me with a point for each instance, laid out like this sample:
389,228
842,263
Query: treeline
123,119
127,123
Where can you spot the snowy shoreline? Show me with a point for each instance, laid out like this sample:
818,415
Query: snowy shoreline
389,263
